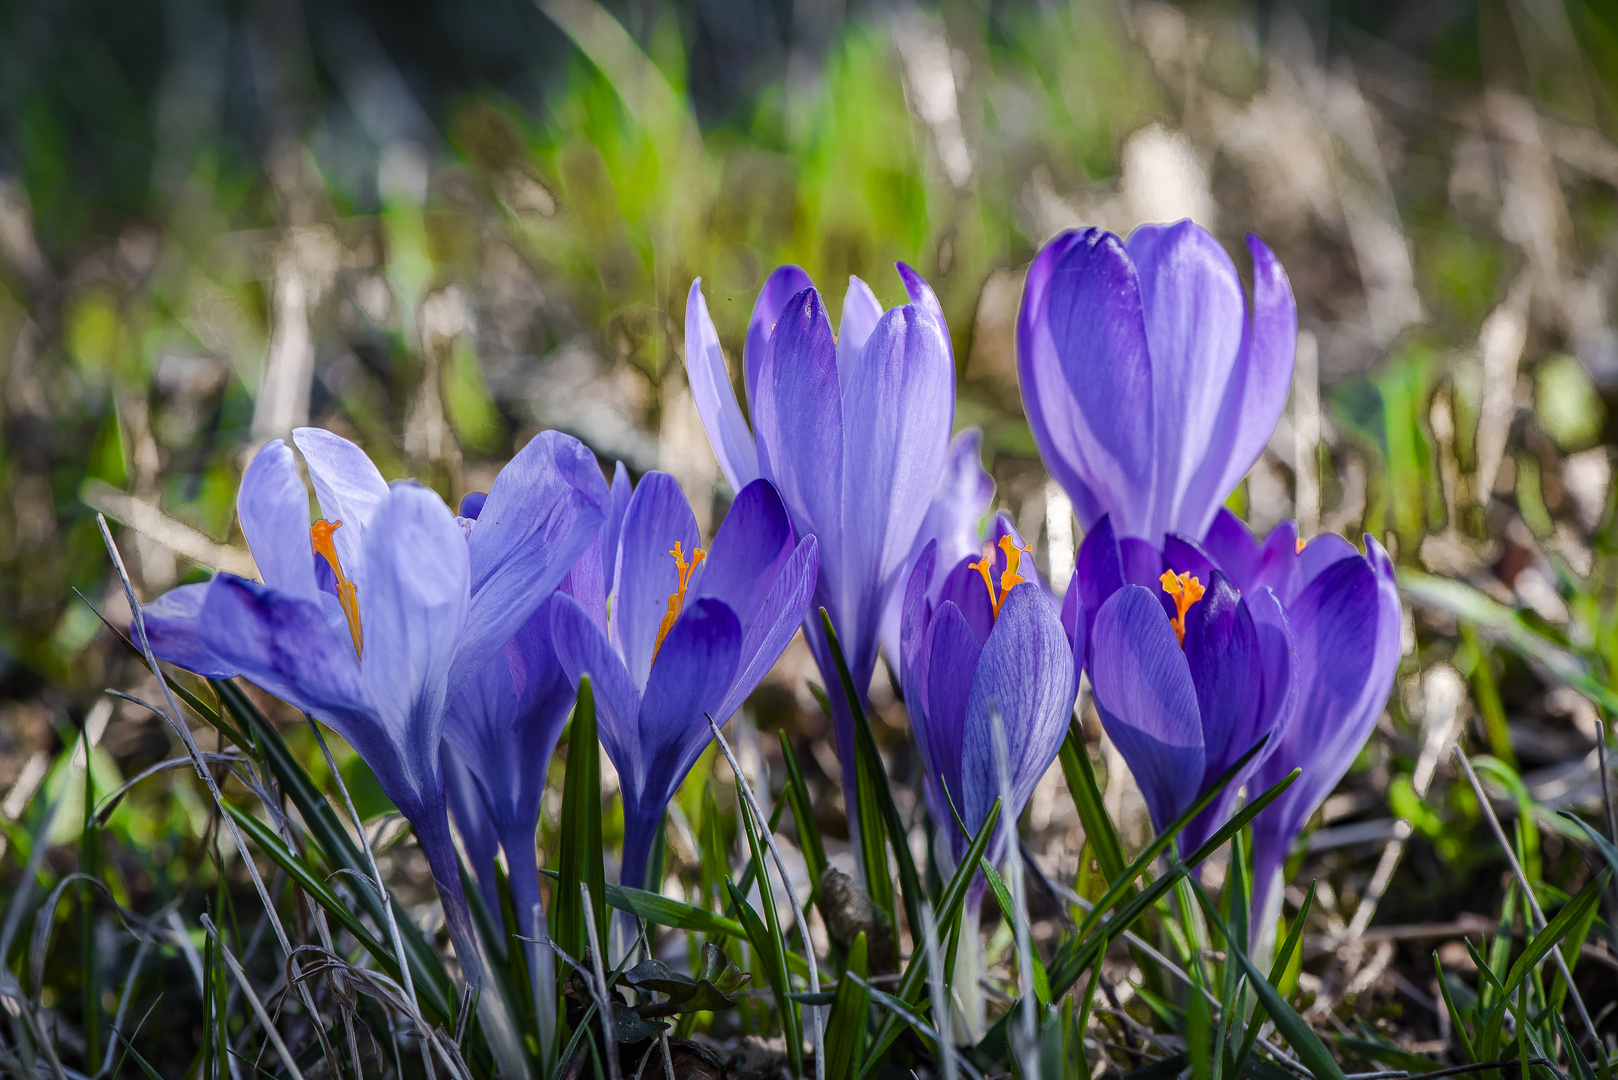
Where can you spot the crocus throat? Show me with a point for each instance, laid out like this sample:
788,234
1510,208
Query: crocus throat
1008,577
320,535
677,597
1186,591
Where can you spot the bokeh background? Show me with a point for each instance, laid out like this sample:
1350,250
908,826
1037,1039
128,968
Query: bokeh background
438,228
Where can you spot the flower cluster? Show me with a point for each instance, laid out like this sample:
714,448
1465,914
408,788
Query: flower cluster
447,648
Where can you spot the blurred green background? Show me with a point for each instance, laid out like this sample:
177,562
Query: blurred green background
440,227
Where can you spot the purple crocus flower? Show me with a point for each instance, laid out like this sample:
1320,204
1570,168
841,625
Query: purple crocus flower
375,618
853,429
683,634
1184,690
1150,387
989,645
1344,610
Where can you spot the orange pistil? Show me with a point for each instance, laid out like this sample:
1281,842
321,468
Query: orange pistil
347,594
1186,591
677,597
1008,577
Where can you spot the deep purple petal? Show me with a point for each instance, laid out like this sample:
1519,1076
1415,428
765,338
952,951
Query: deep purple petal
1256,394
349,489
798,417
710,383
861,310
544,507
922,296
412,612
1194,311
583,649
1146,700
952,653
273,508
471,818
773,625
171,628
694,670
782,285
916,617
1086,376
752,545
964,587
657,519
472,504
1230,543
1025,678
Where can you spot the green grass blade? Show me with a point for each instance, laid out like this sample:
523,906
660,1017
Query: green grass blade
579,859
803,813
1299,1035
774,967
1086,792
1002,896
774,944
850,1015
1278,968
1457,1025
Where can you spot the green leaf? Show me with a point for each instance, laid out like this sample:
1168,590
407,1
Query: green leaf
1086,792
1283,958
850,1015
774,966
1457,1025
1002,896
579,860
775,944
1299,1035
803,813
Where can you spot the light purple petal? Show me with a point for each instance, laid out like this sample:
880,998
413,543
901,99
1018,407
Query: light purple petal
1146,700
657,519
412,612
782,285
583,649
897,414
798,417
349,489
1025,677
543,509
917,615
273,508
1194,311
1257,392
923,297
171,627
953,654
710,383
466,808
861,310
1086,377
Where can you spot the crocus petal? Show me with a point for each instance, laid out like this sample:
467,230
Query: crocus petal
694,670
1025,678
544,507
612,530
752,545
1085,371
798,418
1256,394
657,519
774,624
897,414
917,614
1194,310
953,655
472,505
715,396
964,587
471,819
782,285
1146,700
273,508
952,523
1230,544
922,296
412,613
349,489
861,310
583,649
171,623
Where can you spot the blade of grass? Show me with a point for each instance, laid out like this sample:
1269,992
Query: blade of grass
1087,798
809,842
850,1015
579,861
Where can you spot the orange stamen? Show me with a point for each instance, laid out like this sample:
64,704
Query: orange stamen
1186,591
347,595
1298,545
677,597
1008,577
